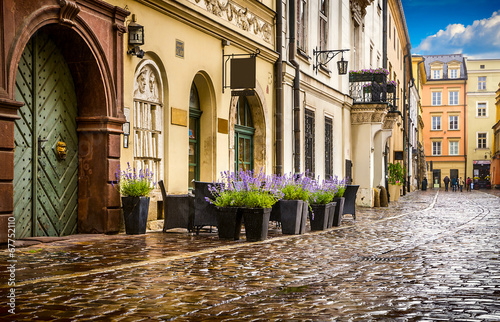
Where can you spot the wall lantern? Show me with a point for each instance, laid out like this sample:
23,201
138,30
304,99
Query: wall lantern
135,38
329,55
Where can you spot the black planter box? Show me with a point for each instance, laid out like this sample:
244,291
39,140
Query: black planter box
319,217
135,214
256,223
331,214
291,216
228,222
339,211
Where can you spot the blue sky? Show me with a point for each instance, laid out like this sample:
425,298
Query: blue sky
438,27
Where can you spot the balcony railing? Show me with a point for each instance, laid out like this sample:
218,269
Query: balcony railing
372,88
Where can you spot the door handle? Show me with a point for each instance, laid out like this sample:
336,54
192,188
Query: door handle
41,143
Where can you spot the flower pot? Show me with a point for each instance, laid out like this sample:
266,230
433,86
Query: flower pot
319,217
256,223
228,222
291,216
394,191
303,220
339,211
331,214
135,214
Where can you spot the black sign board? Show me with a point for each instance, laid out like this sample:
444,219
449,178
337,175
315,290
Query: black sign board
243,73
398,155
248,92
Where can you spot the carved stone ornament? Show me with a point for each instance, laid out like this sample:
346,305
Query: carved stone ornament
358,9
69,11
368,113
238,16
146,85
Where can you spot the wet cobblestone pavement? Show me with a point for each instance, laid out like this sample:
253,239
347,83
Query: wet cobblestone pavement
431,256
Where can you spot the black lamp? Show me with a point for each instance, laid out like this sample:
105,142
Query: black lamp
329,54
135,38
342,65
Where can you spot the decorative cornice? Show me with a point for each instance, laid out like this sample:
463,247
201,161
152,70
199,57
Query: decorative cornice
238,16
373,114
69,11
358,9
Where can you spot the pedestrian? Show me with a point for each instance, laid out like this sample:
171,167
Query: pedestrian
454,184
446,183
469,182
461,183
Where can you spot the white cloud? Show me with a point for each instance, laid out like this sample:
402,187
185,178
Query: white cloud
479,40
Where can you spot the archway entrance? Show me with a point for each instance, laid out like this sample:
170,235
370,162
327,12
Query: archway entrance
46,141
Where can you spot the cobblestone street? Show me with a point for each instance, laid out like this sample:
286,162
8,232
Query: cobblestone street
433,255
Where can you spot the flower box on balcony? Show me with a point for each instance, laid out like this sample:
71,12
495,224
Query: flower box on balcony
366,75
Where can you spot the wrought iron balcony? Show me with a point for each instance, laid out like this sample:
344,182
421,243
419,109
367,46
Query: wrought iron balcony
372,88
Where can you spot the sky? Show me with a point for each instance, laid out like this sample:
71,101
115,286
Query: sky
439,27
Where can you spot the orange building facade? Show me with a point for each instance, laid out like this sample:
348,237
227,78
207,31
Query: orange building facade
444,110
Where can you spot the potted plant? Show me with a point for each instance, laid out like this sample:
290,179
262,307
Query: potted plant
321,200
339,200
134,187
292,207
371,74
391,86
395,178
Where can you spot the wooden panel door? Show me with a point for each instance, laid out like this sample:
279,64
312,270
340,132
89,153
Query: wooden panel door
45,184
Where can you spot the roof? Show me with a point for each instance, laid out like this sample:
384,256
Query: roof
445,59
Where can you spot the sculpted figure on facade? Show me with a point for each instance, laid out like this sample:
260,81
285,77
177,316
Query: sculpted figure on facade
145,85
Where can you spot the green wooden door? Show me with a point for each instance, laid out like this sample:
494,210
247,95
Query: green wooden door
45,185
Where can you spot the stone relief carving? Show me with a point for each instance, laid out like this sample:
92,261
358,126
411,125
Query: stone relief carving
239,16
69,10
358,9
145,85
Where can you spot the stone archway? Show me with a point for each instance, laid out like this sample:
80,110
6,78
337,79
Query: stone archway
257,106
97,72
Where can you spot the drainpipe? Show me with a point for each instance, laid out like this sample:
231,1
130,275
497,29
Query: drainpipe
384,35
279,89
296,84
406,117
420,175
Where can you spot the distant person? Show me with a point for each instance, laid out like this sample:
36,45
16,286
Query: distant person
461,184
454,184
424,184
469,182
446,183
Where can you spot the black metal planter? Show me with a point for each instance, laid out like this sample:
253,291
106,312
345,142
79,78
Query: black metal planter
291,216
331,214
319,220
339,211
256,223
303,221
228,222
135,214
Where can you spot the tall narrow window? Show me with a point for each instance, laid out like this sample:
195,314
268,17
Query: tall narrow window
323,27
302,25
481,82
436,148
328,147
194,136
309,143
244,132
453,147
453,122
453,98
481,140
481,110
436,123
436,98
436,74
453,73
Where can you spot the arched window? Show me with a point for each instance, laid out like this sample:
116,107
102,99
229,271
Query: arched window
244,132
194,136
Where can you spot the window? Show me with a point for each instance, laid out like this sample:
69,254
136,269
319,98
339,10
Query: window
481,110
436,98
481,140
302,25
194,136
436,73
453,147
453,73
436,148
328,147
323,27
309,119
481,82
481,66
244,132
453,98
436,123
453,122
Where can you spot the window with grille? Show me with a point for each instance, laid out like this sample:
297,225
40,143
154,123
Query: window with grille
453,73
309,119
481,140
436,73
328,147
436,123
436,98
453,148
453,122
481,110
436,148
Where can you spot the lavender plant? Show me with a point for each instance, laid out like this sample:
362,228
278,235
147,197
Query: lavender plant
133,183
